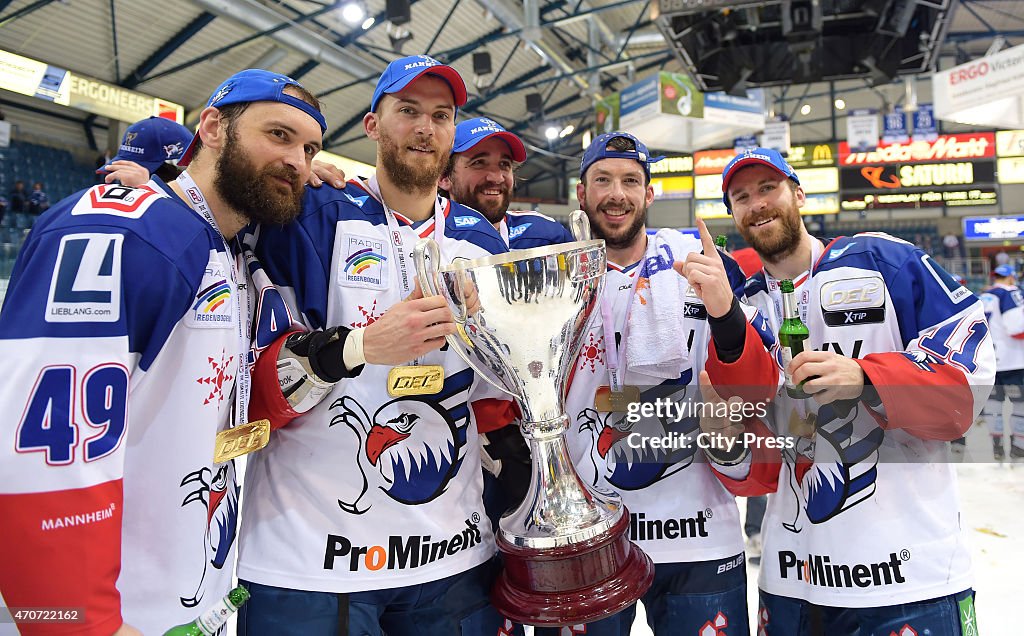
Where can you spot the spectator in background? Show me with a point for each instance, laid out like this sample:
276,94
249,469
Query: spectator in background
150,146
18,197
38,202
951,246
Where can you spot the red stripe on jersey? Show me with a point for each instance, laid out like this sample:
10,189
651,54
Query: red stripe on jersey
930,401
63,549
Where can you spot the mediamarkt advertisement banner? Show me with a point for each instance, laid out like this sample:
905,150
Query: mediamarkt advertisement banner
944,148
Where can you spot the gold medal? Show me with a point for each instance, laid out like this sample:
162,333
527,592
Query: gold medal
608,401
237,441
424,379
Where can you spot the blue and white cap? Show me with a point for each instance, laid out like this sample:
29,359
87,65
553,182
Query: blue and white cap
153,142
401,72
764,156
598,149
472,131
256,85
1004,270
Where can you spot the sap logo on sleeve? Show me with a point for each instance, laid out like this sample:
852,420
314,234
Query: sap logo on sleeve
364,262
853,301
466,221
213,307
518,230
86,281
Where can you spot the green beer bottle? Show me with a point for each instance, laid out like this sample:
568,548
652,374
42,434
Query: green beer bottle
792,335
214,619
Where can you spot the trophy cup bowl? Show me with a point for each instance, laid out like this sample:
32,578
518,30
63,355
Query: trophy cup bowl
521,318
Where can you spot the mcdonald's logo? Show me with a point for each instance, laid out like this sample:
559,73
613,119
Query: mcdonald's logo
822,153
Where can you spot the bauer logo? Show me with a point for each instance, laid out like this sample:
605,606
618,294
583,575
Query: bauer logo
398,552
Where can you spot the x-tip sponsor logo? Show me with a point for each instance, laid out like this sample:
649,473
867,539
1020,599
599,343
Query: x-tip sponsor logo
401,552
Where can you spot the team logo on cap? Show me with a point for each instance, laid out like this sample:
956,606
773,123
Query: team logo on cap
130,137
425,62
173,149
221,94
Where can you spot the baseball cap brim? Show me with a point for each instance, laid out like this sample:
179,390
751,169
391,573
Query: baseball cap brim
150,166
446,73
186,157
514,143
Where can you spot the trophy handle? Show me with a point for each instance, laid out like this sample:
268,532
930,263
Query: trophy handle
427,256
579,225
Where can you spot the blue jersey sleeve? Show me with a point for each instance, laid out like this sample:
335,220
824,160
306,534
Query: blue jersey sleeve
101,282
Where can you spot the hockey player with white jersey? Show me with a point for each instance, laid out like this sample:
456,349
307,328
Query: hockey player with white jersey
862,533
364,514
1004,309
126,345
650,341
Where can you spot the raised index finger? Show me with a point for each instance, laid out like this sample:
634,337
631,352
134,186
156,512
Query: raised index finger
706,241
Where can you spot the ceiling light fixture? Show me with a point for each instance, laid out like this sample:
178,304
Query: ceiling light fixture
353,13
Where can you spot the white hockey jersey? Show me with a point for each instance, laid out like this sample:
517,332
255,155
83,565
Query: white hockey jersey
121,334
1004,309
865,512
366,491
679,511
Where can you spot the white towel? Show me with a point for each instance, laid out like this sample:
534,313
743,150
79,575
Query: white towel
655,342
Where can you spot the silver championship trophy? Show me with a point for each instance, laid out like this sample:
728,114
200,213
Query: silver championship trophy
521,318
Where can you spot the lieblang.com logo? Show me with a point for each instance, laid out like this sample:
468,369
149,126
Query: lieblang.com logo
401,552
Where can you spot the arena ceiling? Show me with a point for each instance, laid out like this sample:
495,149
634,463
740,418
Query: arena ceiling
565,51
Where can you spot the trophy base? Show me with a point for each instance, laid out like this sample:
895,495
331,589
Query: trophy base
572,584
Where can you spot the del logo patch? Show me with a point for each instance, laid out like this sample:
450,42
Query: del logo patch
364,262
213,306
117,200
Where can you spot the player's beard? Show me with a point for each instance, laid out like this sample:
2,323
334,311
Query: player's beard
621,237
256,194
782,240
493,211
417,177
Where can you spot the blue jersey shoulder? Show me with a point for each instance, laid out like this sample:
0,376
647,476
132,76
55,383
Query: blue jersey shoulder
152,212
466,224
108,262
532,229
866,250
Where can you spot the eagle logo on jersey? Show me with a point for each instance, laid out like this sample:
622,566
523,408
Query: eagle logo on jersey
626,468
411,448
835,470
218,492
